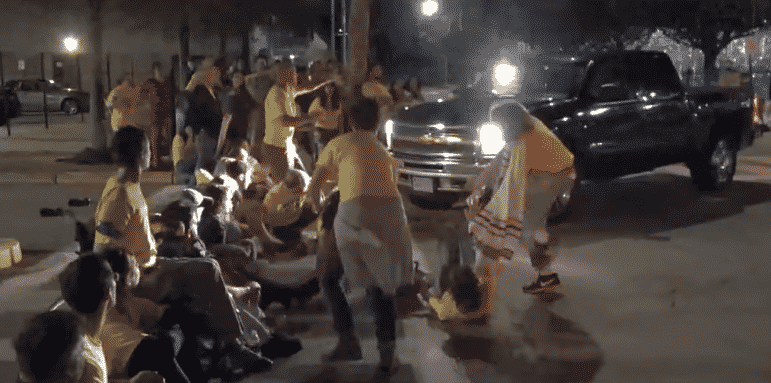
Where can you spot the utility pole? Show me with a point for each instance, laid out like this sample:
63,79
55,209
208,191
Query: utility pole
344,23
359,49
184,50
44,86
333,36
96,115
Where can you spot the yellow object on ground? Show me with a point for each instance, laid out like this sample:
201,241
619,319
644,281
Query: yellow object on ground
10,252
445,307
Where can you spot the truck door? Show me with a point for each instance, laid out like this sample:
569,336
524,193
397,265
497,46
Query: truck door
612,130
662,105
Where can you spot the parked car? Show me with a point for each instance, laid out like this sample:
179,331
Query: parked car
619,113
58,98
9,105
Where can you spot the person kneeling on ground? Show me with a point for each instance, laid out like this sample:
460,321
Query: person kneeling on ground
192,287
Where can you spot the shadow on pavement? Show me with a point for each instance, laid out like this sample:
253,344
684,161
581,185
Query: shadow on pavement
560,351
645,205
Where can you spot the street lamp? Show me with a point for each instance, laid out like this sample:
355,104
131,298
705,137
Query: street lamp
429,7
71,45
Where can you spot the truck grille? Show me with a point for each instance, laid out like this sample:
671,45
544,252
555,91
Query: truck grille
422,143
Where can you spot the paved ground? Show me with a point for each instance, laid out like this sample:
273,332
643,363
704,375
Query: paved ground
660,284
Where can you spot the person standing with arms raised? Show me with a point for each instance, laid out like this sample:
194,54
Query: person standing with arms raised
282,117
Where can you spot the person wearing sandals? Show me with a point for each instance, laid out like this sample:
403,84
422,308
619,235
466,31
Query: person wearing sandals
526,177
370,229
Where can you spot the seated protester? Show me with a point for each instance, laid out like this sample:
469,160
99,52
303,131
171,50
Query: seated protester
251,212
194,288
128,350
186,213
50,348
217,225
88,285
288,211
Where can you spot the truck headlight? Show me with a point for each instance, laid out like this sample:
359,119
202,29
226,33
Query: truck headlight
491,138
389,132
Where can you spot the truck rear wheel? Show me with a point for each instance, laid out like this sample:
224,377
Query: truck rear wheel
714,171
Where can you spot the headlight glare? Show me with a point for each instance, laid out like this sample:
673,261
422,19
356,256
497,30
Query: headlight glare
491,138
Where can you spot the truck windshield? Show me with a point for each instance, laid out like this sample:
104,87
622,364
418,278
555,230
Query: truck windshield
554,79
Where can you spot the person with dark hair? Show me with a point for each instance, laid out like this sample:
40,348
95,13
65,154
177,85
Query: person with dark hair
50,348
375,87
193,287
88,285
370,226
327,109
127,349
258,84
160,96
237,107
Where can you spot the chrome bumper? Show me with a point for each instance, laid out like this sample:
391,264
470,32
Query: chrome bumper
453,179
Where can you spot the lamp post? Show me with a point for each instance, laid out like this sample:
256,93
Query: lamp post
430,10
71,45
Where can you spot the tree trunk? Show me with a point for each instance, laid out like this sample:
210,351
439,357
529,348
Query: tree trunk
358,49
184,50
96,106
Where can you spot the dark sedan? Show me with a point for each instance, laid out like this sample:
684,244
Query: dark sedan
58,98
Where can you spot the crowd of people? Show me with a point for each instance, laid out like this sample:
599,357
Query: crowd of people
259,159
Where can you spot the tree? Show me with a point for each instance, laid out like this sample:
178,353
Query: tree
96,103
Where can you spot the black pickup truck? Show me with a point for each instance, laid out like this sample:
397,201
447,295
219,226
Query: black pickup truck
619,112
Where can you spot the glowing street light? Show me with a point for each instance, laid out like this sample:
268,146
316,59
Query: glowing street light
429,7
71,44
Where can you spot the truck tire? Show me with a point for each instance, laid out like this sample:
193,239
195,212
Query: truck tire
565,205
70,107
714,170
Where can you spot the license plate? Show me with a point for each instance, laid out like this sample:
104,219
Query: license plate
423,184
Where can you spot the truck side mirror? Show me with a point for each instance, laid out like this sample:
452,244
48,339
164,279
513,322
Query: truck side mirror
610,92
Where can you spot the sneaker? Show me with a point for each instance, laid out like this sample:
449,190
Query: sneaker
347,349
543,283
239,361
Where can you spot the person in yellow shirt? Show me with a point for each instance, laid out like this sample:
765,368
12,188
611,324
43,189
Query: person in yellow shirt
370,229
117,102
282,117
192,286
532,171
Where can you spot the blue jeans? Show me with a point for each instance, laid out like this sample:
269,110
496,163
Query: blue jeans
186,171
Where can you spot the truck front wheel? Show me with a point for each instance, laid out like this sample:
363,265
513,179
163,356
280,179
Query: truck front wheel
714,171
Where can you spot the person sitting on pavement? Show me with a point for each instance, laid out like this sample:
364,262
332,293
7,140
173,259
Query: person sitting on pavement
89,287
190,286
526,178
50,348
233,260
371,230
288,211
128,350
184,215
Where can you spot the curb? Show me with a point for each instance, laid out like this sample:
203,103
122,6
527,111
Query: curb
77,178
